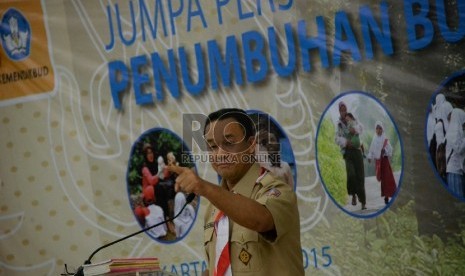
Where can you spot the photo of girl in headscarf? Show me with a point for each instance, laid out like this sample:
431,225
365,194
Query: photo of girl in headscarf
442,110
455,152
380,151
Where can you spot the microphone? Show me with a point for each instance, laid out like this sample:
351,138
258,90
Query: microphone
80,271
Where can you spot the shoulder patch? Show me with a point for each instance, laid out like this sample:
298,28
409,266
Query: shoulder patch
273,192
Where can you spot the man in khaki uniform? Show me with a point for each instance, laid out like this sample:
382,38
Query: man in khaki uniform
258,210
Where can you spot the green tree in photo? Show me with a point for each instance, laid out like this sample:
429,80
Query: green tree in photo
331,163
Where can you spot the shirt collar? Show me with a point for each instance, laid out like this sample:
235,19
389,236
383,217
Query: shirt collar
247,182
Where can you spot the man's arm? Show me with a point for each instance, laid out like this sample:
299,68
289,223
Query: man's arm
242,210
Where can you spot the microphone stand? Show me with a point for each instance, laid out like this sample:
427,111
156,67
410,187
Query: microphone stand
80,271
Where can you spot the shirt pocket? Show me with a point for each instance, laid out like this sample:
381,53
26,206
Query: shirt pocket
245,250
208,243
208,235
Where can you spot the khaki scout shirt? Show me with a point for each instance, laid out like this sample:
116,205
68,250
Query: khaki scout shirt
253,253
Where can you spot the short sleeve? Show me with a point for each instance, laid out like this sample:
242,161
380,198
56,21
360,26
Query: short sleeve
281,201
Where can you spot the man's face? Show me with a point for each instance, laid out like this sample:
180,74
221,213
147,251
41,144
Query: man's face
229,149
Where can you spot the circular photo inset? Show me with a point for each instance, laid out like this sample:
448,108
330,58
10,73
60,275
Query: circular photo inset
359,154
151,190
445,138
273,150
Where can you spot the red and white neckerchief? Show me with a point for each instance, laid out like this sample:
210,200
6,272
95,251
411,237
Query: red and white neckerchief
263,172
222,258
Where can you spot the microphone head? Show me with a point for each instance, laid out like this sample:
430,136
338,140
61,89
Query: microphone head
190,197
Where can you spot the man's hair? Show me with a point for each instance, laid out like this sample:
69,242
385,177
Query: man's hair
237,114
